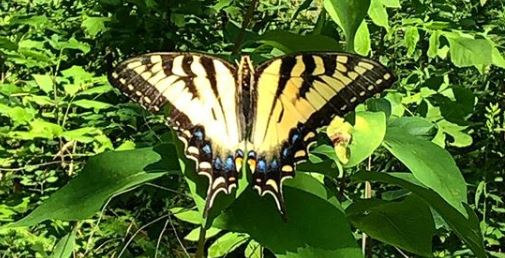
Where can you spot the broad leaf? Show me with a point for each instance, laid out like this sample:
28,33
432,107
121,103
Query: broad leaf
348,14
467,229
430,164
103,176
468,51
407,224
367,136
226,244
316,225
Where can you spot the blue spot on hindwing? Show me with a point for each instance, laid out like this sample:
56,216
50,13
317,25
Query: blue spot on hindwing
286,151
295,137
229,164
274,165
198,134
218,164
262,166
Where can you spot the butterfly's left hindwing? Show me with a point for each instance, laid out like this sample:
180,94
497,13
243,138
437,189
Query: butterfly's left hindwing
201,92
294,96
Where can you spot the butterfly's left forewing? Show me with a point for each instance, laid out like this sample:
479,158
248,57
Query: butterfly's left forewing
294,96
202,95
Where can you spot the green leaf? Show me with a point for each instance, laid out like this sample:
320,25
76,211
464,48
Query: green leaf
467,229
416,126
5,43
378,14
306,233
65,246
348,14
430,164
226,244
44,81
103,176
94,25
498,58
434,44
391,3
91,104
468,51
84,135
362,42
253,250
407,224
194,235
411,40
190,216
289,42
459,137
367,136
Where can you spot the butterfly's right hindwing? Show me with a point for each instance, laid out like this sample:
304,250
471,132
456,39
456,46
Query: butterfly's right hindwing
201,93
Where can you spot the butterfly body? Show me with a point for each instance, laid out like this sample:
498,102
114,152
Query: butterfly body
262,117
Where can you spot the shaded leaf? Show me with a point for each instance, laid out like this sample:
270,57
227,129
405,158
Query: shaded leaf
348,14
103,176
306,233
467,229
407,224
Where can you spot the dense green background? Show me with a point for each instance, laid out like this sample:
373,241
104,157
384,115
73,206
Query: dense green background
443,122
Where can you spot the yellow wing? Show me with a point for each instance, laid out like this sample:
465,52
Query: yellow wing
294,96
202,94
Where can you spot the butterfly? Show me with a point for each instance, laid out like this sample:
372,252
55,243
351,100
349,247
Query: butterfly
265,117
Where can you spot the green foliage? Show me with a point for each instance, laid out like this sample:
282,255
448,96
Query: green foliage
443,123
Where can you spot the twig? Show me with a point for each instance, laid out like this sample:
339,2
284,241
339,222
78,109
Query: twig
402,253
368,195
138,231
245,24
161,236
177,235
169,190
37,165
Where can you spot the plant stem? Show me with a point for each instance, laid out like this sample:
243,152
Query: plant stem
201,240
365,245
245,24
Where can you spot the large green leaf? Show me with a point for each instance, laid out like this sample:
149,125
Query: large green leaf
467,228
407,224
316,225
348,14
467,51
368,133
430,164
103,176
